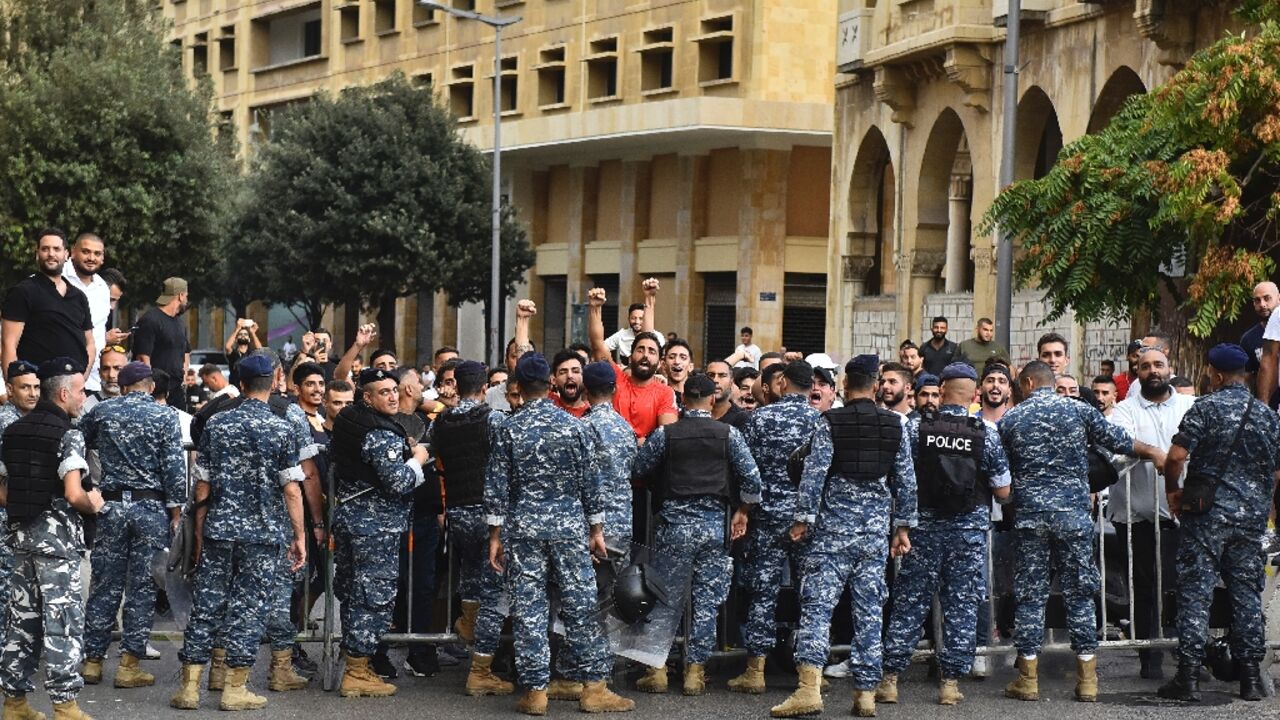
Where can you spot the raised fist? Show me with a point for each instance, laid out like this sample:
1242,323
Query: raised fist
650,286
596,297
526,309
366,334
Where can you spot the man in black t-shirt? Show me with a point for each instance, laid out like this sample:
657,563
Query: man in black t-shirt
43,316
161,338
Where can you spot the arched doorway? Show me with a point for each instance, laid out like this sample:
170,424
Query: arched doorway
1122,84
1039,138
945,191
872,215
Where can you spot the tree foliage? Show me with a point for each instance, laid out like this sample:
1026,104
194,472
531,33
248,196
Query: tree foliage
102,132
369,196
1184,177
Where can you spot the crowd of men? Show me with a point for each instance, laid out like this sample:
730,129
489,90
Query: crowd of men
874,481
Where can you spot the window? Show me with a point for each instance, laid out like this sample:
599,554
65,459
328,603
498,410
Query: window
602,70
551,78
200,55
465,4
349,19
227,48
657,60
425,80
462,92
509,86
716,63
384,16
287,37
311,35
423,15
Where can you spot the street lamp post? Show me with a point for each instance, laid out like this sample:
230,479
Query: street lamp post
495,292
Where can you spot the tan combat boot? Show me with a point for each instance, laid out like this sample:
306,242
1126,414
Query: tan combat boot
887,691
864,703
128,674
562,689
69,711
532,702
752,679
359,680
807,699
19,709
188,695
217,669
282,677
654,680
1027,686
91,671
1087,680
949,692
235,696
465,625
695,679
482,681
598,698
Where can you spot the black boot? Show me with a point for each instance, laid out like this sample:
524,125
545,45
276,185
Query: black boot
1250,680
1184,686
1152,664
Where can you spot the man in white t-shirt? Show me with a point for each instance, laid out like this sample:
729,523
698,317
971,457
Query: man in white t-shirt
1269,361
87,256
619,343
747,354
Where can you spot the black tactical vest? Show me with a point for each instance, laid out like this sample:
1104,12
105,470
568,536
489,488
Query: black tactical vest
949,461
696,460
349,430
461,441
866,440
31,450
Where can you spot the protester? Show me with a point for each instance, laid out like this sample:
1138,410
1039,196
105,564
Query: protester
87,256
938,352
161,337
45,317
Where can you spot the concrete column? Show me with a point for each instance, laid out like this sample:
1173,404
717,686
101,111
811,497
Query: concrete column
687,298
984,282
445,321
634,225
957,234
583,191
762,243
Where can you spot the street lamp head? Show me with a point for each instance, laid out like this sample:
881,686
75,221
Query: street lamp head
433,5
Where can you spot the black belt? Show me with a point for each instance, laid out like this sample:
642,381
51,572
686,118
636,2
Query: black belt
132,495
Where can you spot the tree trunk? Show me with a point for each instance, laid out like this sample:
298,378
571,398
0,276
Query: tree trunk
387,323
1188,351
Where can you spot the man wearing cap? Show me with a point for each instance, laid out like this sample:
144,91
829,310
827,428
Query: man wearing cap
928,394
823,395
377,471
462,439
773,433
857,487
144,486
980,348
1046,437
960,466
161,338
703,468
1220,537
42,482
542,497
248,499
23,392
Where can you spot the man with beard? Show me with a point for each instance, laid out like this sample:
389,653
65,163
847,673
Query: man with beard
643,401
1067,386
928,393
639,320
566,377
767,388
677,360
110,362
1130,375
446,385
723,408
44,316
909,355
1152,416
745,379
242,341
995,392
938,352
1104,389
895,384
213,379
87,255
496,396
161,338
982,347
1051,349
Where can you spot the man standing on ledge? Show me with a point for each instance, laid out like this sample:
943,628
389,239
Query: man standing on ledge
161,338
44,317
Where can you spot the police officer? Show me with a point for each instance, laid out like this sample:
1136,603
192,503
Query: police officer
462,438
960,465
43,467
1046,437
144,486
773,433
1221,530
858,485
24,392
249,504
541,492
703,466
377,473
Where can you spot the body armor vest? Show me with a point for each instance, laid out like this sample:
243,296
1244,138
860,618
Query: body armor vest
32,445
350,428
866,440
696,461
949,461
461,441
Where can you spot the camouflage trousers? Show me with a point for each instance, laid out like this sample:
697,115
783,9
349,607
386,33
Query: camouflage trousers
45,618
280,628
1058,543
768,550
832,563
531,566
477,579
1208,551
6,571
366,576
233,583
701,546
951,563
129,535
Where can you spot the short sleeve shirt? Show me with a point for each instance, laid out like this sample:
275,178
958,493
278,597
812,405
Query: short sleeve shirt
640,405
163,340
55,323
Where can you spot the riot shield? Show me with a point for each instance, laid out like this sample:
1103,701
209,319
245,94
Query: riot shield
649,639
177,587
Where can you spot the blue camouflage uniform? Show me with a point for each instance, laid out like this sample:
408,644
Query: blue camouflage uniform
1226,542
773,433
280,628
139,445
247,457
477,580
541,489
849,525
1045,438
615,453
692,529
367,533
948,556
8,413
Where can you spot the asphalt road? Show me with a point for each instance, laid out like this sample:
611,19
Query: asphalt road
1123,696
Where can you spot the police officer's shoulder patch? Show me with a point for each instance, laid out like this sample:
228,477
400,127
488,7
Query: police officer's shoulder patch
392,454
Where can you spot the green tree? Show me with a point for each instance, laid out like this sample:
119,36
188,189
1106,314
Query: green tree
370,196
103,132
1183,177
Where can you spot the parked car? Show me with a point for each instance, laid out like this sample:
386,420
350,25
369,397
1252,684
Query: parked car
203,356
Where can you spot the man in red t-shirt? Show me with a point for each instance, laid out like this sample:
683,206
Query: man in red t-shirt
641,398
566,376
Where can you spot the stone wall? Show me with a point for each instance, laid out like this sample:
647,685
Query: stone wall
875,327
